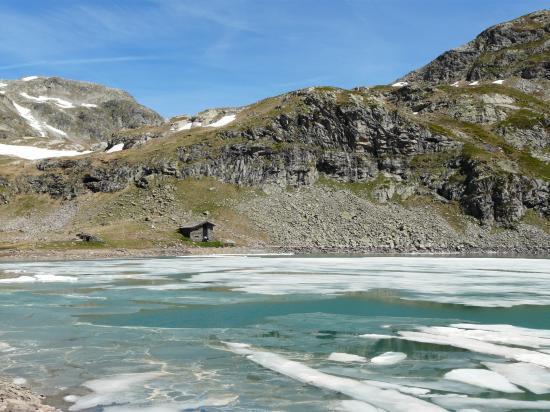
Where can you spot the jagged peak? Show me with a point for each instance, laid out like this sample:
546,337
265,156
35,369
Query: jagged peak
518,47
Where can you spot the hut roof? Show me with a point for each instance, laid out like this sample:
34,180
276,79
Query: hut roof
195,226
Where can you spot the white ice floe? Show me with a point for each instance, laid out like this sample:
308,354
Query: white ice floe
411,390
55,130
112,389
28,116
387,399
531,377
89,105
64,104
389,358
498,82
350,405
19,381
484,379
509,329
192,405
459,402
34,153
488,282
400,84
116,148
475,83
44,278
225,120
346,357
29,78
518,354
507,336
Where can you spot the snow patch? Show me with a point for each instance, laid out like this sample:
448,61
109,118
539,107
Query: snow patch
225,120
89,105
389,358
474,83
29,78
27,115
34,153
400,84
346,357
64,104
484,379
498,82
388,399
455,84
55,130
3,84
116,148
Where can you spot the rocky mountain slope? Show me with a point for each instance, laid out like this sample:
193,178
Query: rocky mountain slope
59,113
517,48
452,157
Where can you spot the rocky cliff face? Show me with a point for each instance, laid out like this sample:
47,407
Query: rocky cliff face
66,114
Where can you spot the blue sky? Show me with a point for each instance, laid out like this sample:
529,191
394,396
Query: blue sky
182,56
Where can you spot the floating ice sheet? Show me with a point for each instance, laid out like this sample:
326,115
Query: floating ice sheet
456,402
346,357
112,389
389,358
484,379
531,377
387,399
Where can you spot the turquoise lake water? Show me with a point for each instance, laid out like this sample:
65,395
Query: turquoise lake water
275,333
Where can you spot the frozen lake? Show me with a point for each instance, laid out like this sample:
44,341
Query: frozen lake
280,333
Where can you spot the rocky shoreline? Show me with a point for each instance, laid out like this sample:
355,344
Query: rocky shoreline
19,398
14,255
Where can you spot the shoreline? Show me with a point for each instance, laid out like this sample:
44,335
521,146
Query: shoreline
21,398
30,255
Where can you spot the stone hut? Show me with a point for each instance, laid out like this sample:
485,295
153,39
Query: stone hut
199,232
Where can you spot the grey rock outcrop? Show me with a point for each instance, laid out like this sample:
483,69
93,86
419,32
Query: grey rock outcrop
515,48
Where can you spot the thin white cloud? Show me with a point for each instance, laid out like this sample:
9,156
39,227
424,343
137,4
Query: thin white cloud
98,60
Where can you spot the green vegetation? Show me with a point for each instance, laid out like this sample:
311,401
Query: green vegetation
209,244
68,245
357,188
533,218
522,119
487,146
523,100
439,130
